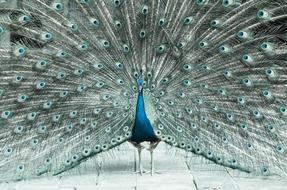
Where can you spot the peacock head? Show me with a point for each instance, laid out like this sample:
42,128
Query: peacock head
140,84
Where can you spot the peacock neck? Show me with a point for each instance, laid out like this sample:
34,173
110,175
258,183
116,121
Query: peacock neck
140,111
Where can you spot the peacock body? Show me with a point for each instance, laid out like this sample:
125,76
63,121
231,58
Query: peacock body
79,77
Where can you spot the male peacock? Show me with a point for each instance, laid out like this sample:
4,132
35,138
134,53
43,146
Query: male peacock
71,81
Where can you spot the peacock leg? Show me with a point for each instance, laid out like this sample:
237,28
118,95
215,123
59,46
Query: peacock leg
153,145
152,162
140,160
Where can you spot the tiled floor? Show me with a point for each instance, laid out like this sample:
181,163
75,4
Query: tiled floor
116,171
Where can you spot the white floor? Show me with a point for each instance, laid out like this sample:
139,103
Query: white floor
116,171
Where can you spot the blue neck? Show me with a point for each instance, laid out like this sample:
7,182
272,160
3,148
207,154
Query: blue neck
142,130
140,112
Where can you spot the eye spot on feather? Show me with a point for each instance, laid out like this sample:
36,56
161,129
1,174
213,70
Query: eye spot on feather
74,159
58,6
243,126
282,110
19,129
108,130
216,23
20,168
160,49
188,20
97,148
128,134
186,82
94,124
187,67
120,82
48,161
280,149
109,114
20,51
117,3
145,10
249,146
160,126
83,121
64,94
68,162
219,160
6,114
162,22
46,36
105,44
61,140
270,128
198,151
142,34
225,140
182,145
73,114
61,54
113,141
126,49
216,126
42,129
263,14
104,147
126,128
228,3
265,170
118,25
158,133
47,105
179,129
24,19
69,127
31,116
86,152
8,151
203,44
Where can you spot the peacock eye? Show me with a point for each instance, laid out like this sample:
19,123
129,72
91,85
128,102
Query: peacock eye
20,168
58,6
118,25
95,22
203,44
160,49
161,22
136,74
282,110
82,47
228,3
24,19
105,44
46,36
20,51
126,48
142,34
263,14
188,20
117,2
145,10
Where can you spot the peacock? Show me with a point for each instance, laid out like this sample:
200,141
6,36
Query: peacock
80,77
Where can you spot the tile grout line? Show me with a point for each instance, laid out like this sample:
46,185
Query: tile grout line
189,171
